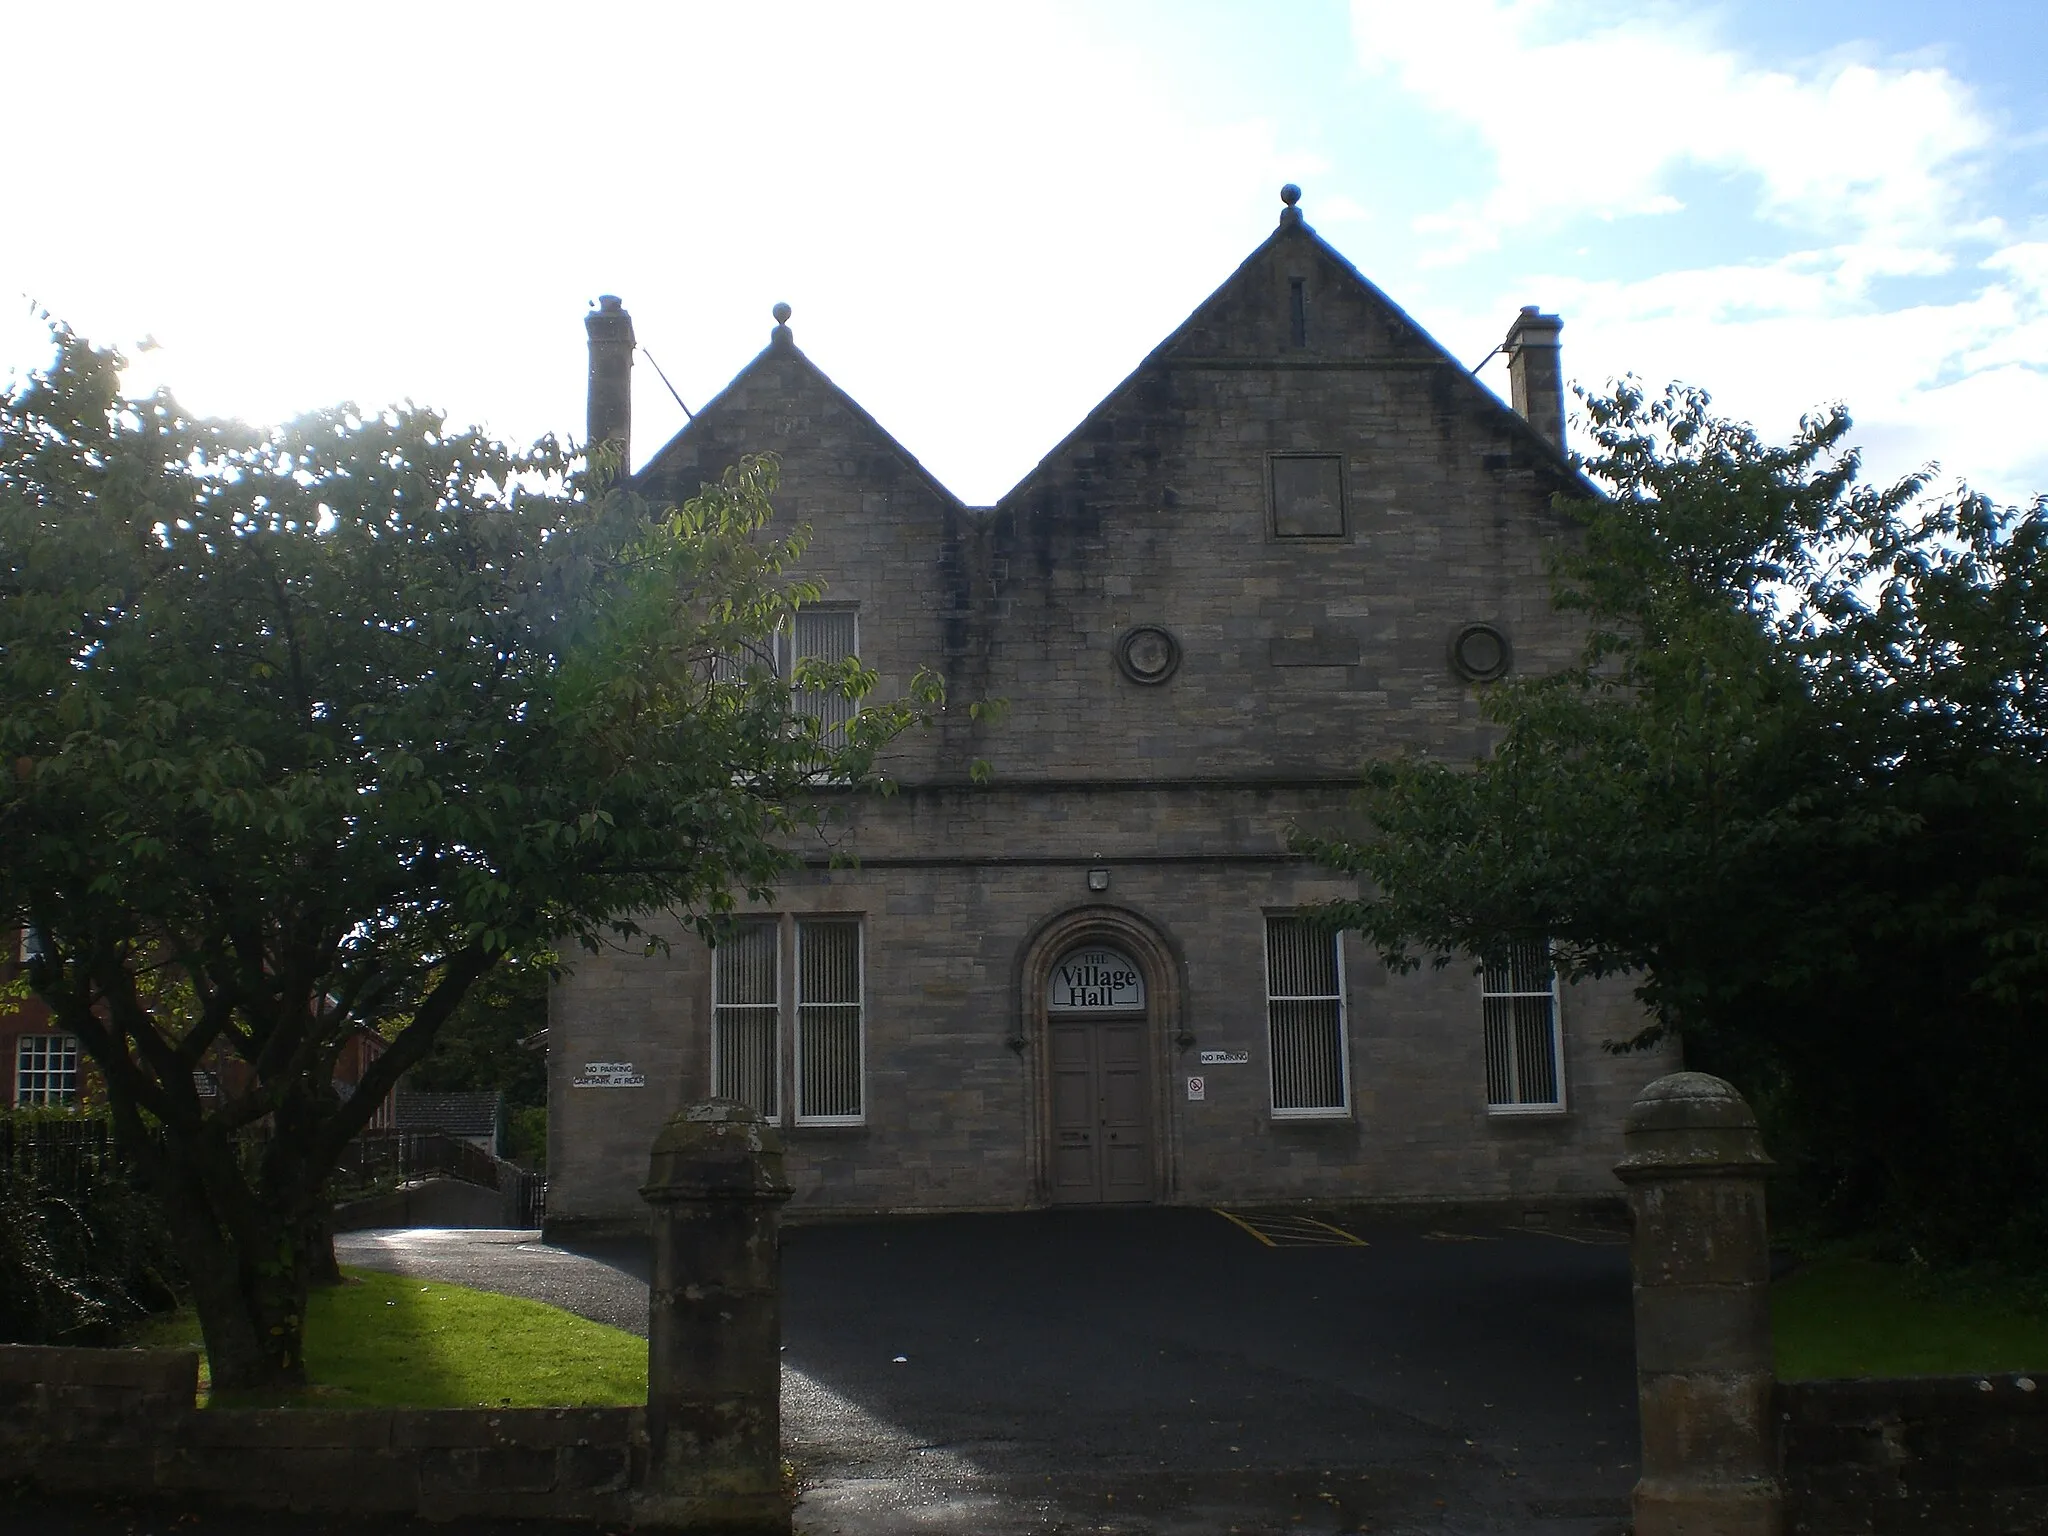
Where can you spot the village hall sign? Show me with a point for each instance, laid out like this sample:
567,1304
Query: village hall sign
1095,981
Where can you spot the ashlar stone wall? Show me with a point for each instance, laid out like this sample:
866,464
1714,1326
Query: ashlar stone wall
1299,658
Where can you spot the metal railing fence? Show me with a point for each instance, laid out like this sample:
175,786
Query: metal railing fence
68,1154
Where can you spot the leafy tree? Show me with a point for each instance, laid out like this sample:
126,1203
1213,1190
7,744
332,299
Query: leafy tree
1797,786
315,725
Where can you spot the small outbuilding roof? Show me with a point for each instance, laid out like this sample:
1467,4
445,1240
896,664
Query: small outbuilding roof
459,1114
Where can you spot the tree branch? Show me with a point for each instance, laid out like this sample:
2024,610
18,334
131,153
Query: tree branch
458,973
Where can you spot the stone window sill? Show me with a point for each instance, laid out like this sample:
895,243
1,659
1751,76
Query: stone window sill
1529,1119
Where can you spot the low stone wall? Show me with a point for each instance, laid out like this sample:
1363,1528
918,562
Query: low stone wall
90,1418
1962,1455
122,1422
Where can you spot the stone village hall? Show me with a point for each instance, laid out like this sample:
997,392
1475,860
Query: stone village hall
1299,535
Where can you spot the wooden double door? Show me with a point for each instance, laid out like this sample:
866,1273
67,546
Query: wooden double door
1101,1111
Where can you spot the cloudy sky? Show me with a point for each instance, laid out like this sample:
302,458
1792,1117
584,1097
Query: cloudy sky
985,215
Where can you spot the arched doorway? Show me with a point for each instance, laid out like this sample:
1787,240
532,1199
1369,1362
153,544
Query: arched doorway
1099,987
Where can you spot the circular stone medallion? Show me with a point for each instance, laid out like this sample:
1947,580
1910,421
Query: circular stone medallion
1479,653
1147,653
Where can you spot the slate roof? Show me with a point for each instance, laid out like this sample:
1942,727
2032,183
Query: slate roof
459,1114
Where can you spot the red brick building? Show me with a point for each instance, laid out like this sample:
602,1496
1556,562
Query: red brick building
45,1066
42,1063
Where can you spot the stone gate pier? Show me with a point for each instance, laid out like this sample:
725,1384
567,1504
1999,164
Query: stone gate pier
1694,1169
714,1325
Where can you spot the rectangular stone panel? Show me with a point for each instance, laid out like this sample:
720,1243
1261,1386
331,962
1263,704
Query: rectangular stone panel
1320,650
1308,496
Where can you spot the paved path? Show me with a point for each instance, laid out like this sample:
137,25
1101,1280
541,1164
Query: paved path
1157,1372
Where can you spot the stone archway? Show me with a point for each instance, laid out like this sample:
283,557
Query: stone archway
1104,1067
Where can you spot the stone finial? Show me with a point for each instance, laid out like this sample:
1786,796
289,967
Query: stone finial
781,336
1290,195
715,1149
1690,1121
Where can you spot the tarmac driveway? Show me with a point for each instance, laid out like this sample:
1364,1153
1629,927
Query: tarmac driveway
1165,1370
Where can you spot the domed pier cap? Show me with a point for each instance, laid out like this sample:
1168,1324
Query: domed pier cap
717,1149
1690,1123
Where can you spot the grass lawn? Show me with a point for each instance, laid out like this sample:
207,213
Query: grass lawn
388,1341
1843,1316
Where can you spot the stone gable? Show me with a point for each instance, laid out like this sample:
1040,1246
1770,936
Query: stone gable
1242,575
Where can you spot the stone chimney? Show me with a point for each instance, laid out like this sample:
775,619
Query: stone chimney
610,404
1535,372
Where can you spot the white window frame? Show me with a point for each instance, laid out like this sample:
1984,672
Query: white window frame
788,1047
1341,1111
859,1005
775,1049
1555,996
65,1049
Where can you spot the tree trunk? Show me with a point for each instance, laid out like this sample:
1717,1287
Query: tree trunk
269,1311
249,1258
321,1266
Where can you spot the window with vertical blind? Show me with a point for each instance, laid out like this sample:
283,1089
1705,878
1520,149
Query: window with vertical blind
746,1017
1524,1047
1305,1019
815,634
828,1022
824,1018
828,635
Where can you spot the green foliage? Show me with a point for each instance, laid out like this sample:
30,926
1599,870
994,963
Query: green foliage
46,1293
1796,787
308,728
494,1042
526,1136
80,1250
988,713
1843,1316
489,1042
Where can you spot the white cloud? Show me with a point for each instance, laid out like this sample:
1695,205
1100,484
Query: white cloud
1872,167
1598,124
965,205
1959,381
983,216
